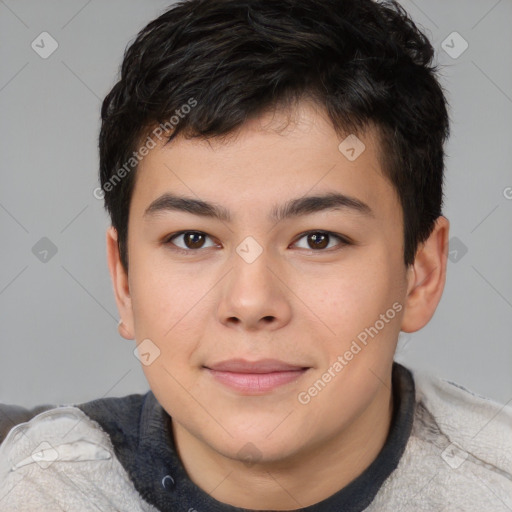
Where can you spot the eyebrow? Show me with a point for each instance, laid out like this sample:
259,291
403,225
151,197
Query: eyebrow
292,208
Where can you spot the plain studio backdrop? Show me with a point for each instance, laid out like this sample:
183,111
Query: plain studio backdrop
58,318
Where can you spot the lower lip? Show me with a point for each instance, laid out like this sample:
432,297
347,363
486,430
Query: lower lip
256,383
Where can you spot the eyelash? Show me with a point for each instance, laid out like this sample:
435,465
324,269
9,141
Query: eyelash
188,252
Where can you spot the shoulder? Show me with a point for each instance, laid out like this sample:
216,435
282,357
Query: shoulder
458,455
473,423
62,457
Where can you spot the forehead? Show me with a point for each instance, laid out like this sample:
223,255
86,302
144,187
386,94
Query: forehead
279,155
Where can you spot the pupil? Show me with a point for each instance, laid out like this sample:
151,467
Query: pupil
317,237
190,237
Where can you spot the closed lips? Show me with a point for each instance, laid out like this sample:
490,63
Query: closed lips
260,366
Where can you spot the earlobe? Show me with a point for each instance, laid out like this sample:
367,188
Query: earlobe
121,285
123,331
426,278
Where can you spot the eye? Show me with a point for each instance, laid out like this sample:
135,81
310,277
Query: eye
192,240
318,240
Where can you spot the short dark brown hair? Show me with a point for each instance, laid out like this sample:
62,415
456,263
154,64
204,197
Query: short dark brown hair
364,62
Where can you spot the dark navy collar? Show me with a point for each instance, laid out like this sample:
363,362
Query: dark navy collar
140,430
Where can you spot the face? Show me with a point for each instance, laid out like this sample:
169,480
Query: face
323,283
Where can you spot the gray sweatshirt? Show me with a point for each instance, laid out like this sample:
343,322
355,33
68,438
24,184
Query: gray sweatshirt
447,450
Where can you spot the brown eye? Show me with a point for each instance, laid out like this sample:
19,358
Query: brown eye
193,240
319,240
190,241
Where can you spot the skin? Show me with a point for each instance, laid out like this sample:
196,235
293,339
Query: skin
295,302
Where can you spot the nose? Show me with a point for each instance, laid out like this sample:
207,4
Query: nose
254,295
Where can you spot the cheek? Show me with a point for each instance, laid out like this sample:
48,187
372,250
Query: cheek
161,294
166,308
343,294
351,302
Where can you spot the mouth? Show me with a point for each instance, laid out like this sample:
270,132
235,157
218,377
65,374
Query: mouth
255,377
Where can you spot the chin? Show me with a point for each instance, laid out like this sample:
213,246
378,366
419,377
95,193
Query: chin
257,447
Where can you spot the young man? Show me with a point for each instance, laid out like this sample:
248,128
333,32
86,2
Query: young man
273,172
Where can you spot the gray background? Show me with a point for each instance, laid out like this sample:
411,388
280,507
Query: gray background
58,319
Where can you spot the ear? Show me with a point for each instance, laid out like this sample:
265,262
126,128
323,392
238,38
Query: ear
426,278
121,285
